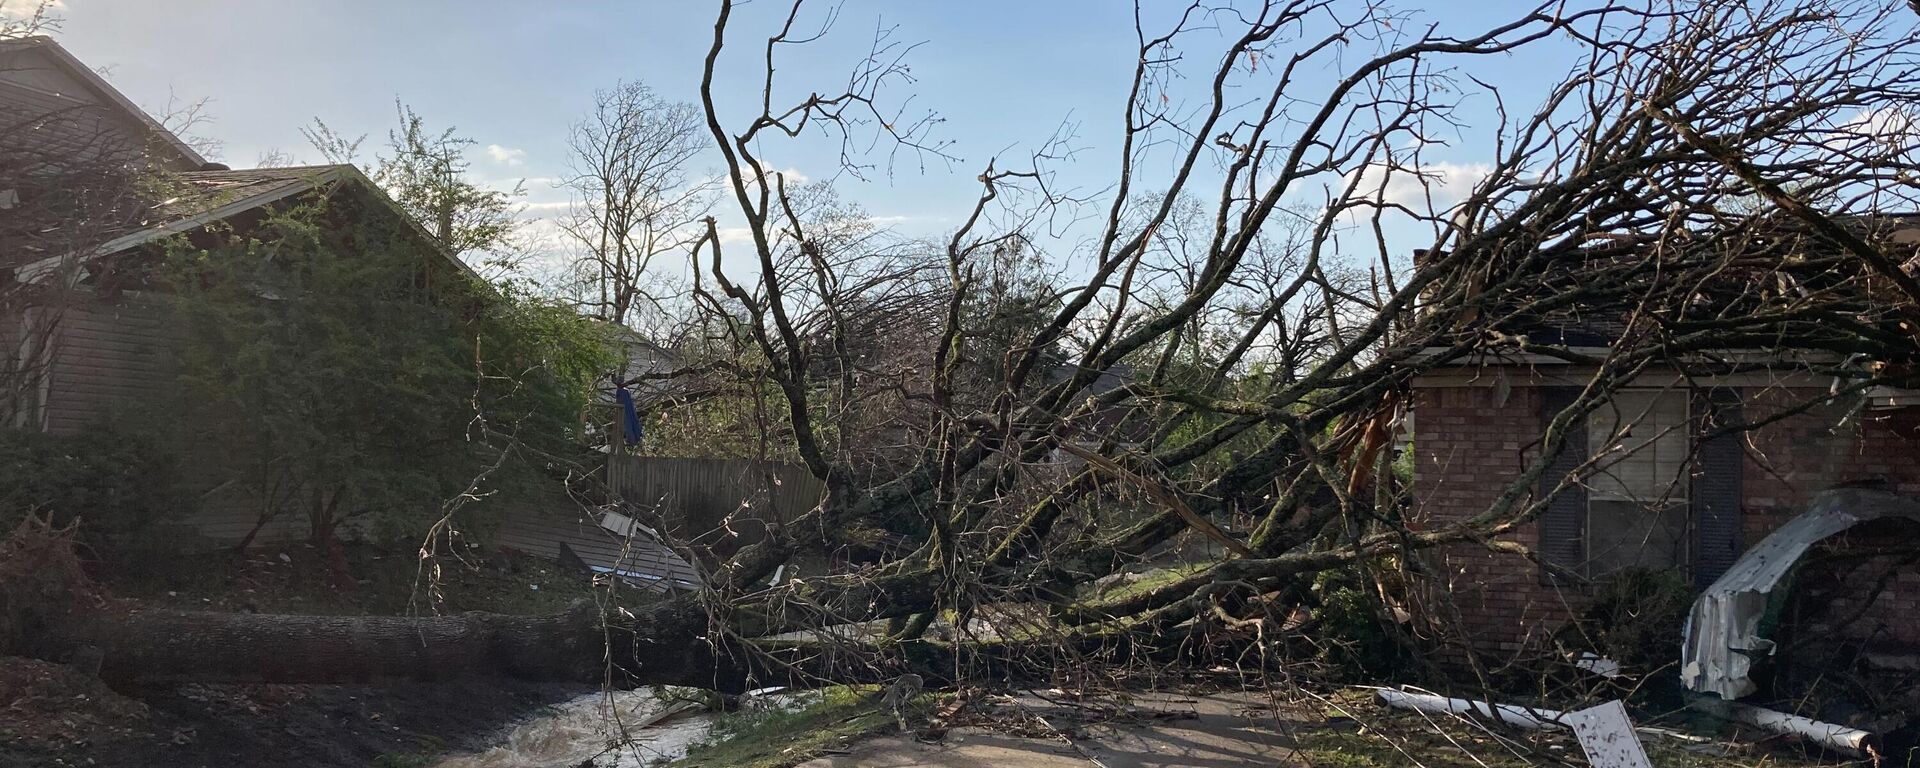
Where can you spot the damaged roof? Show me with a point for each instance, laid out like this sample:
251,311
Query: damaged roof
194,199
1772,261
604,543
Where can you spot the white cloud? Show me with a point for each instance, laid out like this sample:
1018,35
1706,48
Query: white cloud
27,9
550,206
1433,188
1886,129
506,155
544,234
790,176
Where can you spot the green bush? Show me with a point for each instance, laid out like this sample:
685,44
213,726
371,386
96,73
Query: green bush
115,485
1635,618
1361,640
379,380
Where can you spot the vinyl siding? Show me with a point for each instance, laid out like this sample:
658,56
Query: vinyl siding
109,360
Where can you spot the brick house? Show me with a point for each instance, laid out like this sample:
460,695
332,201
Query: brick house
1679,496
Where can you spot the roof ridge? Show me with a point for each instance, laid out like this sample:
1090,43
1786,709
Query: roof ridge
268,170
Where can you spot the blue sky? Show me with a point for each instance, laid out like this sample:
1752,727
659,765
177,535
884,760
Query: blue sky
512,74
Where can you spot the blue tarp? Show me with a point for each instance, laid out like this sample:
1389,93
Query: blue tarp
630,416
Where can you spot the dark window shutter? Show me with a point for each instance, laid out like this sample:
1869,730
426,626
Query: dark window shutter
1716,490
1563,526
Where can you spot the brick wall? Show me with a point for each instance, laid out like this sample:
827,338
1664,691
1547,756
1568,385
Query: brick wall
1839,578
1469,445
1799,454
1787,463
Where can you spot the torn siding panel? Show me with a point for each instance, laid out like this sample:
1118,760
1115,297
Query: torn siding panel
1722,637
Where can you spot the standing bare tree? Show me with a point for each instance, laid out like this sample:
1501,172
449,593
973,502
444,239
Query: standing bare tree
636,197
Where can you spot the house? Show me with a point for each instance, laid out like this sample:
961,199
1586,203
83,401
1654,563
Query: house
93,191
1669,491
55,112
96,340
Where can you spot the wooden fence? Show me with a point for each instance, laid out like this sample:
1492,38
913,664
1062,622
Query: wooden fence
696,496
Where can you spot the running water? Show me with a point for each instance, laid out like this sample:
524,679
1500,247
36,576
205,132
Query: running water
600,729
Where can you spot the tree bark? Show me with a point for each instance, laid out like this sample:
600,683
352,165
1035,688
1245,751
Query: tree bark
148,647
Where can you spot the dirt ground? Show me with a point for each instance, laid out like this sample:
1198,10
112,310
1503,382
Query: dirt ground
56,717
52,715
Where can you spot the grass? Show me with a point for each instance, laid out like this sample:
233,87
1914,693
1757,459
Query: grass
1353,731
402,761
1360,749
422,756
776,738
1448,747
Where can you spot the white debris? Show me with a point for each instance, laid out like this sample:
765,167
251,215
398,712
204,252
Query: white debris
1722,634
1606,735
1599,665
1512,714
1838,738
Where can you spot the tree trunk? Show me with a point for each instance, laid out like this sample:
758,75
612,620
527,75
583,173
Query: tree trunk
142,647
259,523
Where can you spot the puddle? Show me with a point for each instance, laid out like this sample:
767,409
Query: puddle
598,729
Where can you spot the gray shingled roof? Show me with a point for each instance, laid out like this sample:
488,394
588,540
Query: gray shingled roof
640,559
197,192
198,198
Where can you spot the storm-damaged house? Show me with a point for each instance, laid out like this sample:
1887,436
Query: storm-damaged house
91,191
1679,472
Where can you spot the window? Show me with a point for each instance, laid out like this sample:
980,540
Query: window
1637,513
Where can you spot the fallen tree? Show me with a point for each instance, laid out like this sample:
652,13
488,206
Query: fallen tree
1234,363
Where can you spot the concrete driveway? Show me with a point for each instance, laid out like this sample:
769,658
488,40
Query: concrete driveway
1225,730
